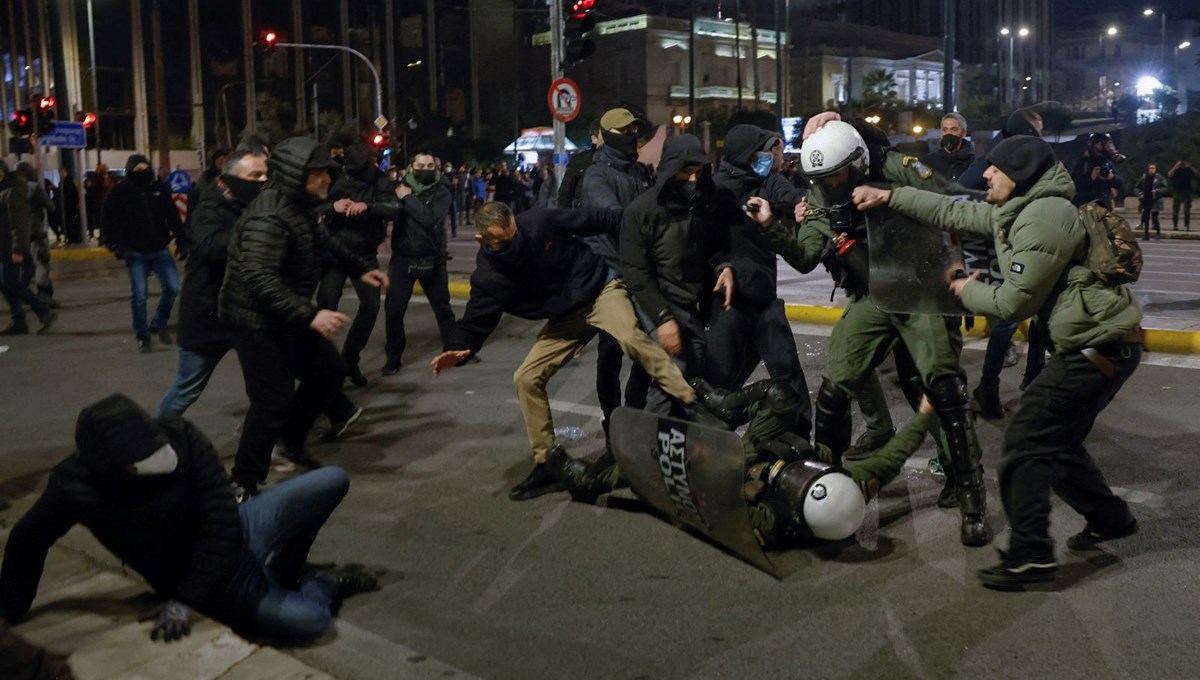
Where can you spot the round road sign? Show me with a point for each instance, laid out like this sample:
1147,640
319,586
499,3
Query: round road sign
564,100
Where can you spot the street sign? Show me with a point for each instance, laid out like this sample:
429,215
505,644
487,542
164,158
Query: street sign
179,181
564,100
381,122
66,134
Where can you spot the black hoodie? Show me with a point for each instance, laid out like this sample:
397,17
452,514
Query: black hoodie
181,531
139,219
612,181
361,181
670,253
754,262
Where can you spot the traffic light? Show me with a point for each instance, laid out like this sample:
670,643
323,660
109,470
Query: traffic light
267,40
21,123
45,116
89,127
579,22
380,141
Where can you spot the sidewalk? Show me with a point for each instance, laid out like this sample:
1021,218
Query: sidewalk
87,620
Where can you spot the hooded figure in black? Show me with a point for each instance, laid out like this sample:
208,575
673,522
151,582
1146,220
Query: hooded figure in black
756,327
139,219
280,334
360,203
155,494
673,258
1095,174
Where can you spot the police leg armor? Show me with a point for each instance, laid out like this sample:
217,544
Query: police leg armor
913,388
583,480
953,406
833,419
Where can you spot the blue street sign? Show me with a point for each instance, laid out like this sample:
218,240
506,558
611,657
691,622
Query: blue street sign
562,158
66,134
179,181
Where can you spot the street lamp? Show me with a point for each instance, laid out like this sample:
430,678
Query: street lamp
95,87
1162,50
1024,33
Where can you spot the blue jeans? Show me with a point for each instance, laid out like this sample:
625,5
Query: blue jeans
280,525
140,266
191,375
1000,333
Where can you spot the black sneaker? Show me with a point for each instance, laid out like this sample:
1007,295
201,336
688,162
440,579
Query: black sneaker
352,579
337,428
355,375
539,483
164,336
391,368
143,345
244,492
1015,574
299,455
48,321
868,443
1091,536
16,328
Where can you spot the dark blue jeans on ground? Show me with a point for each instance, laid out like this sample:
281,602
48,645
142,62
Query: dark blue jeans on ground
140,266
1000,333
280,525
192,371
14,285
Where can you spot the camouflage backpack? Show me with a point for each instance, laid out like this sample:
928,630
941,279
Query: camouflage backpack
1113,253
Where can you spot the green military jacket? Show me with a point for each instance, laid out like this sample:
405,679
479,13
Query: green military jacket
1042,250
802,246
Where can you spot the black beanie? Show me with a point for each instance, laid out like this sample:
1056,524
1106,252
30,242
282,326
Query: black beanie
1024,159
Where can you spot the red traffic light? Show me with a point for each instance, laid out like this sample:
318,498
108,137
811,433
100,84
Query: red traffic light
46,104
582,7
88,119
267,40
379,140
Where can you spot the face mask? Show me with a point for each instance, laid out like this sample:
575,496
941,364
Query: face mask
951,143
511,253
763,162
244,190
625,144
142,178
685,190
425,176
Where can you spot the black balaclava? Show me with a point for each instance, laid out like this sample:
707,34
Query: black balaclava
141,178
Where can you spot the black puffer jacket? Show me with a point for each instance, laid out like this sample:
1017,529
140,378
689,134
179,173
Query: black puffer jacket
363,182
546,272
670,253
180,531
275,254
754,262
212,221
418,232
951,165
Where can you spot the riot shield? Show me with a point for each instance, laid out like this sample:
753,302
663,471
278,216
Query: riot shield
912,265
691,473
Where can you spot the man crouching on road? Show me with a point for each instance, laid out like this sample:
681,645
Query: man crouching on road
155,494
531,266
1094,331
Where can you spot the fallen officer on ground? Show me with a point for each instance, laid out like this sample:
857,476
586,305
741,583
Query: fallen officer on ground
155,494
781,466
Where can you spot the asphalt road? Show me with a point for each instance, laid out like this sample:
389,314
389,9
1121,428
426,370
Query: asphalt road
480,586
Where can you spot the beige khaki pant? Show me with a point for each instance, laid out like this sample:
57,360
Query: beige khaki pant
559,341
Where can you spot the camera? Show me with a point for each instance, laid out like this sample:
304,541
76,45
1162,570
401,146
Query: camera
1107,169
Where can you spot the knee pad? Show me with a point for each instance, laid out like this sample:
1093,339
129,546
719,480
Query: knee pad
949,393
833,418
831,399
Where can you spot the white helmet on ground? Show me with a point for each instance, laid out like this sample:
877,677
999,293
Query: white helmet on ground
834,507
831,148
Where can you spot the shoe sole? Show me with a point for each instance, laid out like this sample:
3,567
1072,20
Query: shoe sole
336,432
1027,574
1094,544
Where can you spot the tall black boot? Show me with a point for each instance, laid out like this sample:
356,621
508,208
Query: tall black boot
987,398
833,419
949,396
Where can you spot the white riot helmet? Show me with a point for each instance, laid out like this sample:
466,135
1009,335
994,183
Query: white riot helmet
821,500
833,147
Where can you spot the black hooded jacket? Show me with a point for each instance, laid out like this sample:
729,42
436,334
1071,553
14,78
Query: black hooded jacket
670,252
212,221
951,165
546,272
753,259
139,219
275,254
363,182
612,181
180,531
